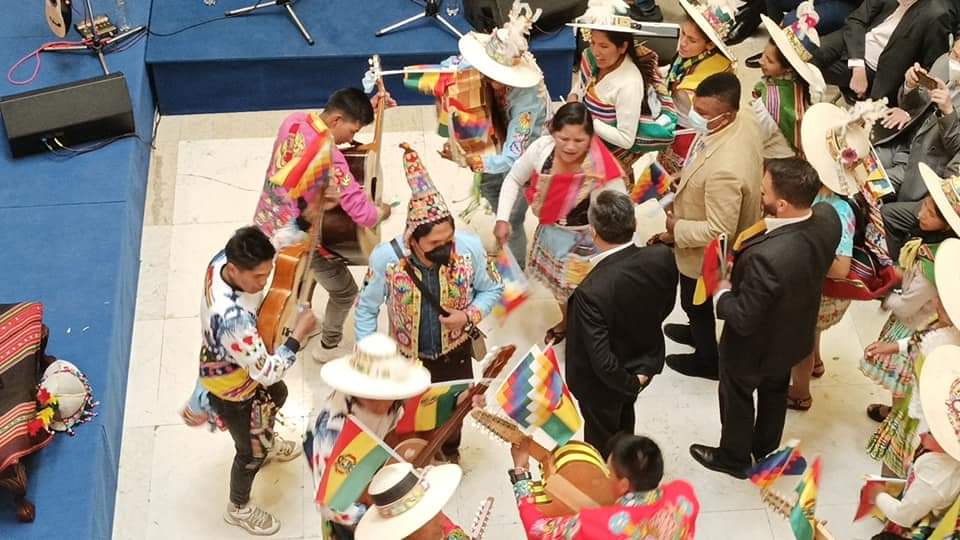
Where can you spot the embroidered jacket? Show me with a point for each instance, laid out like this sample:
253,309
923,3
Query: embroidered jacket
666,513
233,358
469,283
527,109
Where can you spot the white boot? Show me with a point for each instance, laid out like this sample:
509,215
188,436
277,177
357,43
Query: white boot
252,519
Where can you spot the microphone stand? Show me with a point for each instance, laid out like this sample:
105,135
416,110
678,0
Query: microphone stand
430,9
96,43
286,4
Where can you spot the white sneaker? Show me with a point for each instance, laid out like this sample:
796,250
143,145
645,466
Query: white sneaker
283,450
252,519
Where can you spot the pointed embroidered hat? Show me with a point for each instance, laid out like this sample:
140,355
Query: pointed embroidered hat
426,204
502,54
797,40
716,19
606,15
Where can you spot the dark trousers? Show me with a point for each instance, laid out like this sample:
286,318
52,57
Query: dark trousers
450,367
745,431
703,326
831,58
603,419
236,416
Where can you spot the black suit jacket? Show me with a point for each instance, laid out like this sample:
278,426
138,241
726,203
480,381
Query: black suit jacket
614,321
921,36
771,310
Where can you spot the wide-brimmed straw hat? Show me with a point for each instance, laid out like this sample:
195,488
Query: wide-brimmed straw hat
607,16
940,396
376,370
797,41
502,54
945,193
715,18
837,143
406,499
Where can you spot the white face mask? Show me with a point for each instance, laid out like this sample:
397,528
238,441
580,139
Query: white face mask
698,123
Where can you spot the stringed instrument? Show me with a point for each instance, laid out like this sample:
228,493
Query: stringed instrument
782,506
339,234
58,14
421,451
481,518
574,476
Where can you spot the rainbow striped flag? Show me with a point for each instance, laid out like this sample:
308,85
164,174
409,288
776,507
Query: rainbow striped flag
783,461
432,408
802,518
356,456
515,285
535,396
429,79
653,183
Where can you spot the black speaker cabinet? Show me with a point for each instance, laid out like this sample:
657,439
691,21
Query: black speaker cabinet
485,15
73,114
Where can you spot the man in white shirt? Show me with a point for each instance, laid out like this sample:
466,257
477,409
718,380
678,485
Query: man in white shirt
880,40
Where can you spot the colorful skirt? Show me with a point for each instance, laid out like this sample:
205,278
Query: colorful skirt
896,440
560,258
831,311
896,372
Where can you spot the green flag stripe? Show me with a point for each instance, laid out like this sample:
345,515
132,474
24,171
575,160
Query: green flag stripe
359,478
557,430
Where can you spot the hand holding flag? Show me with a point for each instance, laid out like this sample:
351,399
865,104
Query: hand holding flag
716,268
874,486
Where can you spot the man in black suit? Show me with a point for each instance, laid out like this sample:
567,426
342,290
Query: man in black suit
880,40
770,312
614,318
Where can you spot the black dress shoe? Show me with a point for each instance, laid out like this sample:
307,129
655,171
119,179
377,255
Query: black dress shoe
692,366
679,333
753,61
709,457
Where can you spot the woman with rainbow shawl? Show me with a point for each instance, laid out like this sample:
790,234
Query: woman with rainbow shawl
620,86
560,174
789,84
701,52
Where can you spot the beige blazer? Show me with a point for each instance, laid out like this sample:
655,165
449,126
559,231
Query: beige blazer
719,192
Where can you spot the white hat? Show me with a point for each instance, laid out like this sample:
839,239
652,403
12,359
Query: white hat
69,385
406,499
945,266
608,16
940,396
502,54
797,42
376,370
946,193
715,18
837,143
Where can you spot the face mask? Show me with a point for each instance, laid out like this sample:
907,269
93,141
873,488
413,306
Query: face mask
440,255
954,70
698,122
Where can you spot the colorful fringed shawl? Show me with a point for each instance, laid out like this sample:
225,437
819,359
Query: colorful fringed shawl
784,100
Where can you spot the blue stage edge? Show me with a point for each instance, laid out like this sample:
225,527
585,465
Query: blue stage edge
261,62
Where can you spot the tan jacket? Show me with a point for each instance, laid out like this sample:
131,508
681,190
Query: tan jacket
719,192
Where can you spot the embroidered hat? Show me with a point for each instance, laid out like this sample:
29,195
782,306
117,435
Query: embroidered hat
502,54
946,193
74,397
715,18
376,370
940,397
606,15
426,203
797,41
406,499
837,143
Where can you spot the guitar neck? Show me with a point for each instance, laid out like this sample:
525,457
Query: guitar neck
446,430
780,505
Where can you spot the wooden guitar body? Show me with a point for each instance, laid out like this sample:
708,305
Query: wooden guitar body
339,232
292,280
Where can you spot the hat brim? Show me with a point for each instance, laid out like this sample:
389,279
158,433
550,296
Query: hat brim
523,75
817,122
707,29
442,482
940,369
805,70
606,28
935,188
945,275
340,375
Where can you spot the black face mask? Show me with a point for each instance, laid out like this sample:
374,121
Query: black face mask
440,255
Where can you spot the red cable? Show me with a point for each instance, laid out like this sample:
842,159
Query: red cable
36,55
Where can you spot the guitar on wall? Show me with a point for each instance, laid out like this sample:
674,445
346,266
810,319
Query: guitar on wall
58,14
421,451
574,476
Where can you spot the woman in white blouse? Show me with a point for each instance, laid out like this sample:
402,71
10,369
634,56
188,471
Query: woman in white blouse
559,175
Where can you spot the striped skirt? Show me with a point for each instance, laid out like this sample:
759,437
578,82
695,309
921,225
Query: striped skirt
560,258
896,372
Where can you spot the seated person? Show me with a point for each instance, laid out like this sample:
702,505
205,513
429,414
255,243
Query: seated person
880,40
636,466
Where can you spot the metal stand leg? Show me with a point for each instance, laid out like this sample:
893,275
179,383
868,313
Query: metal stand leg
296,20
430,10
449,26
404,22
286,4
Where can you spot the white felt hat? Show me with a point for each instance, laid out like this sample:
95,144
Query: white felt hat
837,143
946,193
608,16
797,42
502,54
406,499
715,18
376,370
940,396
946,277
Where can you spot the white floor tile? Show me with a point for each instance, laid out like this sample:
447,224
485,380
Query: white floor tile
133,483
154,270
143,378
191,248
220,180
740,524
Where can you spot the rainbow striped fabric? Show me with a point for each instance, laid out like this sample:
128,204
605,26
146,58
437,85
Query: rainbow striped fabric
535,396
653,183
357,455
429,79
515,285
432,408
802,518
784,461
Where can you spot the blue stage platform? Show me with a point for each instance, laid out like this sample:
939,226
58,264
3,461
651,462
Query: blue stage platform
261,62
70,231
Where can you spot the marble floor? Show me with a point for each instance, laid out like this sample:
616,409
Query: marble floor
205,179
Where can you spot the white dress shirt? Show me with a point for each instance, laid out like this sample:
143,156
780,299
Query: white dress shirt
878,38
604,254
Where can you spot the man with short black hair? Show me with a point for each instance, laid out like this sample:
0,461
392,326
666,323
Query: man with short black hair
241,379
718,193
770,310
614,348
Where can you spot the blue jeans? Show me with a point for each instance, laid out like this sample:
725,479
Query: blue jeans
833,13
490,189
